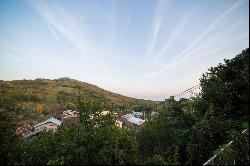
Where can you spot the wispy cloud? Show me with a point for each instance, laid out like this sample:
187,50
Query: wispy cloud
57,18
201,52
174,35
19,53
192,48
8,49
53,32
211,27
113,21
155,27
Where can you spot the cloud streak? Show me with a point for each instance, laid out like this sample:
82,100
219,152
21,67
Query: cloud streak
211,27
112,26
156,27
174,35
61,21
198,54
190,50
53,32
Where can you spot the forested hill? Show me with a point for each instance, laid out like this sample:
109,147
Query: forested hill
26,97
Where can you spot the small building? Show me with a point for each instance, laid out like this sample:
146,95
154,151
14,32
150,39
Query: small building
127,116
48,125
135,121
22,130
139,114
69,117
129,121
104,112
118,123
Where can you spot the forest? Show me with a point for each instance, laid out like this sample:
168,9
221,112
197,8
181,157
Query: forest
184,132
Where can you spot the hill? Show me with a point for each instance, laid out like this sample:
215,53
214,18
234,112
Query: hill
25,98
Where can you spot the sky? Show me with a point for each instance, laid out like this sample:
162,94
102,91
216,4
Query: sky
148,49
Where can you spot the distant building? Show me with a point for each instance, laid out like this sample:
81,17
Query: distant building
104,112
114,114
118,123
135,121
139,115
69,117
48,125
127,116
25,128
129,121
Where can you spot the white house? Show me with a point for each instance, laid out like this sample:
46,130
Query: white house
48,125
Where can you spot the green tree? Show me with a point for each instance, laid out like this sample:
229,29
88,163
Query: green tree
156,160
166,132
226,87
10,143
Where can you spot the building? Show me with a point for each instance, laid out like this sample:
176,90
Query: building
104,112
69,117
140,115
48,125
114,114
135,121
129,121
25,128
118,123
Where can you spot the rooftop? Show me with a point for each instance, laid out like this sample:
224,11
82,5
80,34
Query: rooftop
136,121
52,120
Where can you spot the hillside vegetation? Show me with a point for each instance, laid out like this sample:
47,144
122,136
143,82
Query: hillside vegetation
24,97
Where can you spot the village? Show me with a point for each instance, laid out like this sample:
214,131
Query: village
132,120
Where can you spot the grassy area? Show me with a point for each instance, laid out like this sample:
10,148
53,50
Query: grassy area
52,95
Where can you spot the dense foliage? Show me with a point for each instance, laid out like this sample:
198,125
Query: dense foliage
226,86
9,142
83,143
188,131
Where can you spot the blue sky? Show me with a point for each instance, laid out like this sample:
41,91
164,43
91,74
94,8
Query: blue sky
147,49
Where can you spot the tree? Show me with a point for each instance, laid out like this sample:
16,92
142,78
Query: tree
226,87
9,141
203,138
166,132
156,160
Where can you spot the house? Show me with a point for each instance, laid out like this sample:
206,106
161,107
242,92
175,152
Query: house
118,123
25,128
48,125
104,112
69,117
129,121
127,116
135,121
139,114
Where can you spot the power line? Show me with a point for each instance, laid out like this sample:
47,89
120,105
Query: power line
190,90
